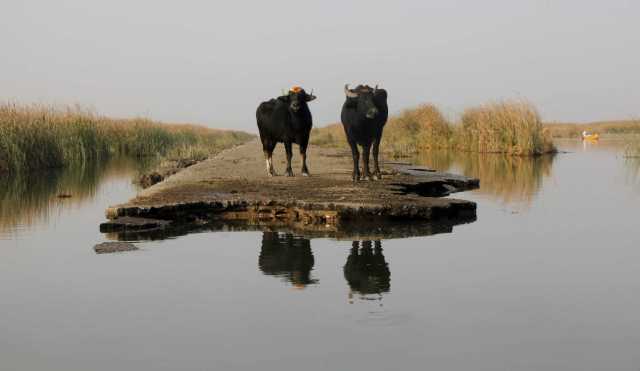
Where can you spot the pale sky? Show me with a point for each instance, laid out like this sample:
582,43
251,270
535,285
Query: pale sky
212,62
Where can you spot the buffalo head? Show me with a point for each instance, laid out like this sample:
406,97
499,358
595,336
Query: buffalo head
362,97
296,97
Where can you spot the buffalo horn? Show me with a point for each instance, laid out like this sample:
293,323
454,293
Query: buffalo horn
349,93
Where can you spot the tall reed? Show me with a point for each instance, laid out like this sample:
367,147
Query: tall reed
424,127
507,127
39,137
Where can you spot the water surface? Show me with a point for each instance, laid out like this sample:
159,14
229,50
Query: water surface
547,278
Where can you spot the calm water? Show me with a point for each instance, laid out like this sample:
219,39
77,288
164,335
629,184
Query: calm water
547,278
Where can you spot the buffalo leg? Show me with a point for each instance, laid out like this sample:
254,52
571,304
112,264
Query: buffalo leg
288,149
356,160
365,161
268,155
377,246
303,154
376,167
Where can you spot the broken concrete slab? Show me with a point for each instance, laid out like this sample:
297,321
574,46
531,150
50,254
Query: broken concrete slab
234,186
112,247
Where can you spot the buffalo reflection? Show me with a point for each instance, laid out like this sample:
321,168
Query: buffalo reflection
367,271
290,257
287,256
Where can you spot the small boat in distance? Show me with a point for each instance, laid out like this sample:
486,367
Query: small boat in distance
590,136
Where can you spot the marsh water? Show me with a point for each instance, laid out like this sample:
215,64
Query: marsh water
546,278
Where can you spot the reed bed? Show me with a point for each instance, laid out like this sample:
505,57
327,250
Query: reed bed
510,127
40,137
424,127
329,136
574,130
513,128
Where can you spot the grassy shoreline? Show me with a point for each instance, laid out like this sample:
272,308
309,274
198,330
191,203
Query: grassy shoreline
574,130
510,127
34,137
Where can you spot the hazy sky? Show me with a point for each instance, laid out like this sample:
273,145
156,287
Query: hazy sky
212,62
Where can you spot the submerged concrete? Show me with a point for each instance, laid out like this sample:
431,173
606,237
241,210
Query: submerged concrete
233,189
113,247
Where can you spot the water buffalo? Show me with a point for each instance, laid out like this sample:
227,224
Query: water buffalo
364,114
286,119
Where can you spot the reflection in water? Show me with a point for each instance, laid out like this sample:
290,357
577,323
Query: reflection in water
632,166
26,199
287,256
367,271
290,257
505,178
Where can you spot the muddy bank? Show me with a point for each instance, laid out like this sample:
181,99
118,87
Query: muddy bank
163,171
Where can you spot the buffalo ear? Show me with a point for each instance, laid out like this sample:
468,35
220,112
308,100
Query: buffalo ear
380,94
310,97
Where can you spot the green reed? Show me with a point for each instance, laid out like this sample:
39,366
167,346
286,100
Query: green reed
41,137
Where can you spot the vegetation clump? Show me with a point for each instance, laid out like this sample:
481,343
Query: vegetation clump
508,127
424,127
512,128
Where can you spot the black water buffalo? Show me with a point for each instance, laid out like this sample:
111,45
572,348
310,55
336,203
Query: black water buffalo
364,114
286,119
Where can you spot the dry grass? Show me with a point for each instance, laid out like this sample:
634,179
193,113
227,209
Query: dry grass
328,136
40,137
513,128
574,130
424,127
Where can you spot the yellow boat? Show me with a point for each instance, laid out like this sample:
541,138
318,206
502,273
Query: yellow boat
589,136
